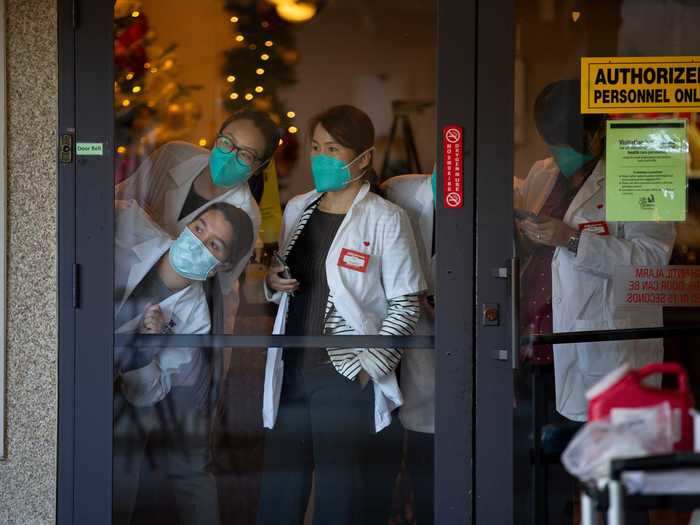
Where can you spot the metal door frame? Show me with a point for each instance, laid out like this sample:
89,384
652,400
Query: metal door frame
494,224
86,340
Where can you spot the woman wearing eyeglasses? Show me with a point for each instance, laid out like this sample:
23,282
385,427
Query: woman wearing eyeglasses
180,180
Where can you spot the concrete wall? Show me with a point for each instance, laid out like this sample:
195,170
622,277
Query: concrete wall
28,475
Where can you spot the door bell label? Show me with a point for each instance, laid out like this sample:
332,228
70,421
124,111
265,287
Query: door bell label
89,149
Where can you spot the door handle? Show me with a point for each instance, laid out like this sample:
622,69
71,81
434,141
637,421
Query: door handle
515,312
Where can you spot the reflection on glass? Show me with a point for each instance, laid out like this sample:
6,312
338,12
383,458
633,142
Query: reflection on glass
570,254
211,145
575,252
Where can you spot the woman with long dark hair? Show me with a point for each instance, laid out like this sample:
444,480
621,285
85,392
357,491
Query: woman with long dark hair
350,267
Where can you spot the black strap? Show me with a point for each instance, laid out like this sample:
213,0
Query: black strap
432,249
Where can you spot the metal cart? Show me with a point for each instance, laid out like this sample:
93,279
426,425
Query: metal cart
613,498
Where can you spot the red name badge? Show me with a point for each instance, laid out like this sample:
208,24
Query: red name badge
599,228
353,260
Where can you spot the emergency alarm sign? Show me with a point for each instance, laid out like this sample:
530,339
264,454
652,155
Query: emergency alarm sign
452,160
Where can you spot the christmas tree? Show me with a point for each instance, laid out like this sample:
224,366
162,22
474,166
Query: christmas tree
261,60
151,106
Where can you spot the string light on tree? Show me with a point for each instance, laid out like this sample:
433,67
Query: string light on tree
145,78
296,11
230,79
268,50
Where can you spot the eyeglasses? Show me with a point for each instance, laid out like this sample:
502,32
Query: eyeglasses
226,145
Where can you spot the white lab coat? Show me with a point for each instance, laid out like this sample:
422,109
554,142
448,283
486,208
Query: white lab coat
161,184
582,285
137,250
414,193
381,230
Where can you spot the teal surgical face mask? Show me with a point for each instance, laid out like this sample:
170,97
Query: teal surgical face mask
569,160
433,181
226,169
331,174
190,258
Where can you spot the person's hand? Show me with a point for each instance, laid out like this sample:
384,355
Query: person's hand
153,320
427,308
278,283
547,231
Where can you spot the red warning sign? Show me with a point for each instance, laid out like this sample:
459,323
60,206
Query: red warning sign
453,156
657,286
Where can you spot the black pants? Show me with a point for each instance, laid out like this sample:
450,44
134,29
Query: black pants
420,451
178,448
322,429
382,465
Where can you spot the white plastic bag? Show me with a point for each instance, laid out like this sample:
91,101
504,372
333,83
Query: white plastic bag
629,433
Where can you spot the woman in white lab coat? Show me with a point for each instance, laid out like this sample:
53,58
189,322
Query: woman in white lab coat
415,194
158,285
179,180
566,196
353,269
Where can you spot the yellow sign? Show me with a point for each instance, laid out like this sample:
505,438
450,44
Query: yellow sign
640,85
270,206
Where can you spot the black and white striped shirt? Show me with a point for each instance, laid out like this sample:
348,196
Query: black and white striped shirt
401,319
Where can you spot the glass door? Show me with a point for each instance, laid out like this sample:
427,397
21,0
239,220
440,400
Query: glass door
595,259
252,269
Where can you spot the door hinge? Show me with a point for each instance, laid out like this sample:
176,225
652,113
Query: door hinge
65,148
76,285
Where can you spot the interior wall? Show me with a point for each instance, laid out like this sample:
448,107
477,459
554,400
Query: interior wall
28,475
366,54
